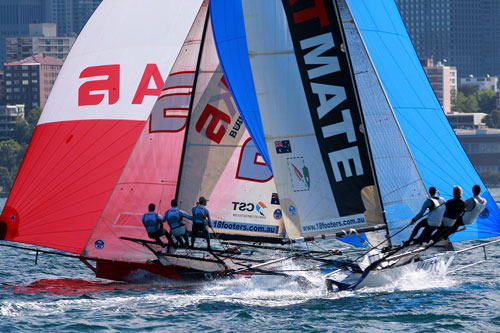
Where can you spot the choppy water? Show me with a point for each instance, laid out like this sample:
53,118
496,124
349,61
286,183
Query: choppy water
62,295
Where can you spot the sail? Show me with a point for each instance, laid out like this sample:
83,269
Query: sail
311,117
230,38
401,187
151,173
438,154
222,163
92,120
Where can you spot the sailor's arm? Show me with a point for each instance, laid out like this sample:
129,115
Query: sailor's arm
426,205
185,215
208,218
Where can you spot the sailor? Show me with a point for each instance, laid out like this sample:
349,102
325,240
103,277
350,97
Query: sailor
474,206
436,206
201,220
174,217
454,208
154,226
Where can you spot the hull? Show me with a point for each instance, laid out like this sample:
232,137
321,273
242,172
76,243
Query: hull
130,271
390,271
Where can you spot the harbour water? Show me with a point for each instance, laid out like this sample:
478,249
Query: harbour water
59,294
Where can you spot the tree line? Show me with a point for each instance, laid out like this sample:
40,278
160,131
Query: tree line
12,150
469,100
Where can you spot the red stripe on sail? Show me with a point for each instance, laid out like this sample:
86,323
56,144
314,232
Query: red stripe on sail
65,180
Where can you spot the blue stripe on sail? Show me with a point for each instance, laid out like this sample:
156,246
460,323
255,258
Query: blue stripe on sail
230,39
438,154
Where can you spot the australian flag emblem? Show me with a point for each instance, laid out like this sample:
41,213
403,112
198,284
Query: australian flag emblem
283,146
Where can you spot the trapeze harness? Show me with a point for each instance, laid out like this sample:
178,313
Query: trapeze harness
150,221
174,220
452,212
436,212
199,217
470,216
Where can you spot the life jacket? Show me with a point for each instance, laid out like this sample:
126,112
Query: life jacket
174,218
150,221
436,212
470,216
199,214
453,210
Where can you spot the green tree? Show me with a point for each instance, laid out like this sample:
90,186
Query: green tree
493,119
32,117
11,153
465,104
486,100
22,132
5,180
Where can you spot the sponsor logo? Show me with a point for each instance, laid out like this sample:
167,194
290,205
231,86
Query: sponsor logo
257,208
484,214
246,227
335,223
275,200
278,214
283,146
99,244
299,172
293,211
329,88
95,88
251,165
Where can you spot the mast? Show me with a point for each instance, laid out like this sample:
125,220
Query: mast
372,162
191,102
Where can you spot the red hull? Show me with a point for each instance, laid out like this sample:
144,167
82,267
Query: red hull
130,271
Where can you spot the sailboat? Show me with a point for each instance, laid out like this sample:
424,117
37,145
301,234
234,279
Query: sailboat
340,85
115,136
232,121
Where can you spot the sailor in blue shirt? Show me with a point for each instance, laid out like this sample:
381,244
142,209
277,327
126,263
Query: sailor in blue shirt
154,226
201,220
174,217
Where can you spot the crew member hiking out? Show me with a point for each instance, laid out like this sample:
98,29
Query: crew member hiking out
454,208
154,226
436,206
201,220
474,206
178,229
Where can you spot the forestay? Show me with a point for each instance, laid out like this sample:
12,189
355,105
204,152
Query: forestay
92,120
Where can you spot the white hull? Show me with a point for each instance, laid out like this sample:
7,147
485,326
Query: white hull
390,272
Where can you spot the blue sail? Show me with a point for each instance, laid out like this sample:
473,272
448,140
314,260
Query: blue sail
230,38
439,156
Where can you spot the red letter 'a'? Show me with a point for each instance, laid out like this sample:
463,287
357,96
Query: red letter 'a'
111,85
143,90
217,117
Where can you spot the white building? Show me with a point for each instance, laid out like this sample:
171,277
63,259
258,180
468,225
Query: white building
481,83
9,114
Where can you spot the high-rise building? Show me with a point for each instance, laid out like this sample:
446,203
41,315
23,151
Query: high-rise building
443,80
465,33
30,80
70,15
15,17
42,40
